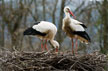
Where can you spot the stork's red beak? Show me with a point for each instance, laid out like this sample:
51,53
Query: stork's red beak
72,14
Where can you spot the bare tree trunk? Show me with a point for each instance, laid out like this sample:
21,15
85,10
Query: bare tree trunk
30,43
54,11
60,36
104,16
44,11
2,35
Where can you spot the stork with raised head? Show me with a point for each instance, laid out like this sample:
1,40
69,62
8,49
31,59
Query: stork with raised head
74,28
45,31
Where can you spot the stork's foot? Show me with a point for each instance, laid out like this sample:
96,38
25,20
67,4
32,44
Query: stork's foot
73,53
43,51
51,51
76,53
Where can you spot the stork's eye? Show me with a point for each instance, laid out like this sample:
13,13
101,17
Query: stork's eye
67,9
57,47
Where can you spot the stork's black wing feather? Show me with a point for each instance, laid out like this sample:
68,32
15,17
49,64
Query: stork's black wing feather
31,31
83,25
83,34
36,23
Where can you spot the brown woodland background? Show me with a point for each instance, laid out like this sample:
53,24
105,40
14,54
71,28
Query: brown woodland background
17,15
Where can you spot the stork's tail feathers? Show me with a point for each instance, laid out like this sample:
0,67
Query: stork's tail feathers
83,36
31,31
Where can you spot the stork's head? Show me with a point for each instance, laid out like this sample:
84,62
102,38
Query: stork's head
55,44
68,10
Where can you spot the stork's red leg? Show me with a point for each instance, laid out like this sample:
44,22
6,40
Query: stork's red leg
46,45
76,43
42,45
72,46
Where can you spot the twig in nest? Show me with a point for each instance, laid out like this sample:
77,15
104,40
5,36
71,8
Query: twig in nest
61,60
73,65
84,65
15,66
82,68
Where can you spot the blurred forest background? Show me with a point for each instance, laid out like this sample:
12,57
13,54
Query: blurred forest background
17,15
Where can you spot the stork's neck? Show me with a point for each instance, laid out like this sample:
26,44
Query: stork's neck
67,15
54,43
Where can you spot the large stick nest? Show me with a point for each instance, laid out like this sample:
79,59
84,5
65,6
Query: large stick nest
40,61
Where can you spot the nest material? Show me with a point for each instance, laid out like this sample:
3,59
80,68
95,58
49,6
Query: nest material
39,61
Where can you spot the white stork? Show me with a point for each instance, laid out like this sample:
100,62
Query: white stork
45,31
74,28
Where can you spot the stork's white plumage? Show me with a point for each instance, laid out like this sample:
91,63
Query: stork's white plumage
45,31
74,28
